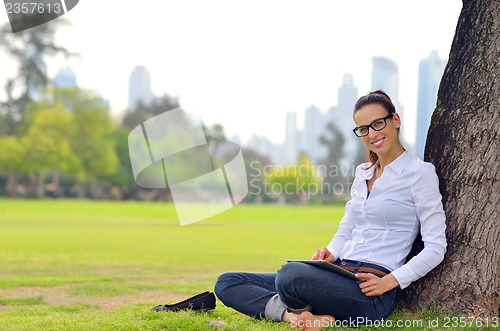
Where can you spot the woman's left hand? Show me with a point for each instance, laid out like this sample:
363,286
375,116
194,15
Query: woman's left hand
372,285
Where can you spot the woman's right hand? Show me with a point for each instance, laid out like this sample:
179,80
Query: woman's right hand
323,254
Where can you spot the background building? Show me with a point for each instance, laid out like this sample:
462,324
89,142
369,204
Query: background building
385,76
291,135
341,116
65,77
139,87
430,72
313,128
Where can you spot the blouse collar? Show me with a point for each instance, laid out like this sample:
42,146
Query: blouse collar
397,165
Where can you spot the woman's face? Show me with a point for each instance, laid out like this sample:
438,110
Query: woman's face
385,140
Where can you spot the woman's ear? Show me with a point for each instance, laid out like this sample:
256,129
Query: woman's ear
397,120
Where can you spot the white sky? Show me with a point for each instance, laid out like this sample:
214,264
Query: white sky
245,64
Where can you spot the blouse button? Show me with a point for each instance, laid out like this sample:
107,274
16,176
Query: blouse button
343,263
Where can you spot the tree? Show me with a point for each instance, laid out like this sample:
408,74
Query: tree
28,49
122,177
294,182
142,112
255,165
90,137
334,142
46,146
11,159
215,136
463,144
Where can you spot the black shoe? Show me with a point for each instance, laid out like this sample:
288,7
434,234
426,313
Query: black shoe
203,301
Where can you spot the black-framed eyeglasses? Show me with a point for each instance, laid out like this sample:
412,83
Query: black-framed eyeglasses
376,125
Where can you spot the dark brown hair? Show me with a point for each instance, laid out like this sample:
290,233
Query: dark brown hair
375,97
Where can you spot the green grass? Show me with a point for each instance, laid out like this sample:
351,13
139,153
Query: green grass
29,301
84,255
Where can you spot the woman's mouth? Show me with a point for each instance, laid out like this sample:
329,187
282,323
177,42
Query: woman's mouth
378,143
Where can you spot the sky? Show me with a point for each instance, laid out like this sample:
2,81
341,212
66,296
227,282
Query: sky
245,64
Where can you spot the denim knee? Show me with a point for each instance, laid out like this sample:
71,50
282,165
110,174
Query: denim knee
289,282
223,282
289,275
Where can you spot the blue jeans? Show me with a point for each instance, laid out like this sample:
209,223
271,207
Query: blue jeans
301,287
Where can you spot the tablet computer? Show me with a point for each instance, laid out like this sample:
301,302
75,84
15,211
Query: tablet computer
327,266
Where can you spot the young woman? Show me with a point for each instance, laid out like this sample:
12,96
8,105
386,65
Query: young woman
393,197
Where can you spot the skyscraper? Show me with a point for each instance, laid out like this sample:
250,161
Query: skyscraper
313,128
430,72
291,143
139,87
341,115
348,95
65,77
260,144
385,76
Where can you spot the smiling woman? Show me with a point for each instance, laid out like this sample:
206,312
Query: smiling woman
372,240
381,140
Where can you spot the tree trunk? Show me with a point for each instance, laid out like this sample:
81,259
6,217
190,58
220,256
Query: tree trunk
56,180
463,144
12,184
81,191
37,185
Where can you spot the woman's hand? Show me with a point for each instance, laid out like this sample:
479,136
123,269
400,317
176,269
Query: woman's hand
372,285
323,254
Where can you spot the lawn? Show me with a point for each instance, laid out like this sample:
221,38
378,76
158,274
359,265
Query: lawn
86,265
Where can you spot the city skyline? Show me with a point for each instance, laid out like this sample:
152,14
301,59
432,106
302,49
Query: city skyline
385,76
307,139
248,65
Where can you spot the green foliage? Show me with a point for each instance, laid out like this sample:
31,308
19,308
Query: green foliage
89,137
294,181
46,143
122,176
12,154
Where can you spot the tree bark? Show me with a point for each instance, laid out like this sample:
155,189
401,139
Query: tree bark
56,180
12,184
463,144
95,189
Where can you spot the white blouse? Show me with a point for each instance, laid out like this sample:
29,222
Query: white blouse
381,229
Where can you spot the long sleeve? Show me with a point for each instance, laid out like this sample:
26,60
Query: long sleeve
346,224
425,192
343,233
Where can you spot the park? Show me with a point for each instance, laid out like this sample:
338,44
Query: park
83,248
